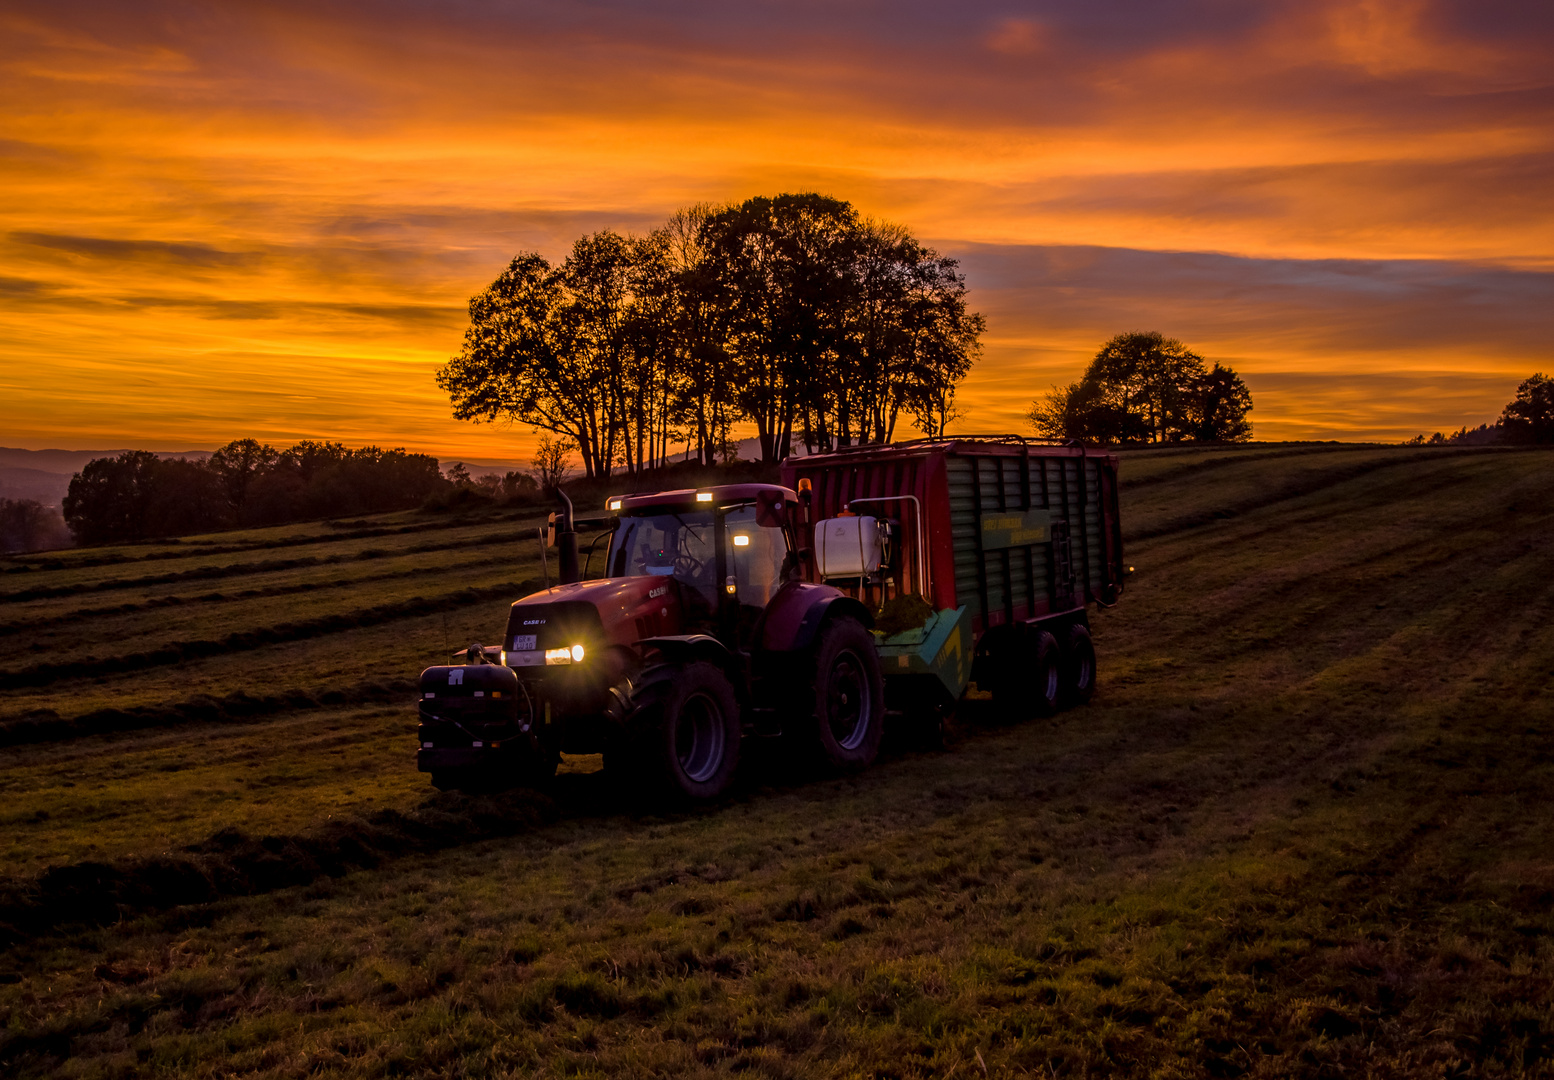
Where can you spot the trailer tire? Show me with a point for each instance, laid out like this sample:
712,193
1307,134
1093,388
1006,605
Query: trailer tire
1030,682
1078,666
839,716
685,738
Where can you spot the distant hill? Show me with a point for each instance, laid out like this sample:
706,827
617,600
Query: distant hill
45,475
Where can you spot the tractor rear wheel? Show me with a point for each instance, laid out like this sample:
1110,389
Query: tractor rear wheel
840,713
687,733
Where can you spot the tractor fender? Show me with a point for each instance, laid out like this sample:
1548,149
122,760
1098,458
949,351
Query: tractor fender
688,648
800,609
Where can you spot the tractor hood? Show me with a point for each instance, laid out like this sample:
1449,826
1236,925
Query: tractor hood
597,614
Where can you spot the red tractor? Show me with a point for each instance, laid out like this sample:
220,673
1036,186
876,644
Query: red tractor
749,610
700,631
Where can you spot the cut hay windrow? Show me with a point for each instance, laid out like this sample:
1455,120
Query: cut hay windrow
22,626
179,652
208,573
32,564
47,726
232,863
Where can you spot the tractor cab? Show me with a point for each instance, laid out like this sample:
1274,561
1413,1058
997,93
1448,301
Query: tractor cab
726,547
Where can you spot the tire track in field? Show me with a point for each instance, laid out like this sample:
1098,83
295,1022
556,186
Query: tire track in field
26,625
179,652
210,573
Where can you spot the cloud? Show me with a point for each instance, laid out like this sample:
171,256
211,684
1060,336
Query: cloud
98,247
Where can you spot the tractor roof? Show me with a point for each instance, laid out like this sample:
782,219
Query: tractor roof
720,495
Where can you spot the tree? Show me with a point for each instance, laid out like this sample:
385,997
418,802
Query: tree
1219,404
788,312
108,499
1529,418
1147,388
238,463
550,462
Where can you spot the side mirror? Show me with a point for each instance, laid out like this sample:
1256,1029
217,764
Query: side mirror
771,509
550,531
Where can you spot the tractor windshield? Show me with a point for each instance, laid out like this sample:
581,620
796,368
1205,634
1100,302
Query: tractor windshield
680,546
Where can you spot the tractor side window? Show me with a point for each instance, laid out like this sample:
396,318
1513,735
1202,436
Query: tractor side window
755,556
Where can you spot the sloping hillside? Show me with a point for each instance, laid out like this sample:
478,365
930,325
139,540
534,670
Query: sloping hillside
1300,831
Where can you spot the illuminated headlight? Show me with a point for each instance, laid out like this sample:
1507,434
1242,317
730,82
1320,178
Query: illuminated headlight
572,655
704,496
577,654
615,504
741,540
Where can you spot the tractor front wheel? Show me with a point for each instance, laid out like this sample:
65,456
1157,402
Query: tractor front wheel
688,732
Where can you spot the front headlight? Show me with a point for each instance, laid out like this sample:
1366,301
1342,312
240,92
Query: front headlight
569,655
577,654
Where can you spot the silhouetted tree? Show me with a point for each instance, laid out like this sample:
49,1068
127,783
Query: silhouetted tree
238,463
1219,404
550,462
1147,388
1529,418
109,497
788,312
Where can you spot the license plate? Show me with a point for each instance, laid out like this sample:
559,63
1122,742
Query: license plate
525,642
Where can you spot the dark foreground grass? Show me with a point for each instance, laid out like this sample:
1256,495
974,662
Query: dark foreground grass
1301,831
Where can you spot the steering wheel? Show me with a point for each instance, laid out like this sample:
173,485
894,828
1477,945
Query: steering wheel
688,567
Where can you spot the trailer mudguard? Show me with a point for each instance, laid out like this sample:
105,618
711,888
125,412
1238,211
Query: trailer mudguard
799,609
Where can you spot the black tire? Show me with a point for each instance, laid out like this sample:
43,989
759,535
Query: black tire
1030,680
1078,666
840,714
685,736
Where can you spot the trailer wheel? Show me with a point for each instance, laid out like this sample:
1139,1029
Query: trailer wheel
1030,682
688,732
1078,666
841,709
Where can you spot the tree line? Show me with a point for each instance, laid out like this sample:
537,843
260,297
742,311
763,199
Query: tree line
792,313
1526,420
139,496
1143,387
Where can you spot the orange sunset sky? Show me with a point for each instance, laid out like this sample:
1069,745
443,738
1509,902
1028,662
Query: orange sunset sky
266,218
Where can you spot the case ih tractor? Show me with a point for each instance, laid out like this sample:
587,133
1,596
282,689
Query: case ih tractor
877,582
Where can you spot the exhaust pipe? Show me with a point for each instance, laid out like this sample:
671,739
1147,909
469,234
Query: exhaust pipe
566,542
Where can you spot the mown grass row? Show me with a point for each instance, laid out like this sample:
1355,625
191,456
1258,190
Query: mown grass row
180,652
261,539
232,570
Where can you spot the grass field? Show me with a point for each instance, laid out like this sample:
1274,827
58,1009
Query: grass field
1301,830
